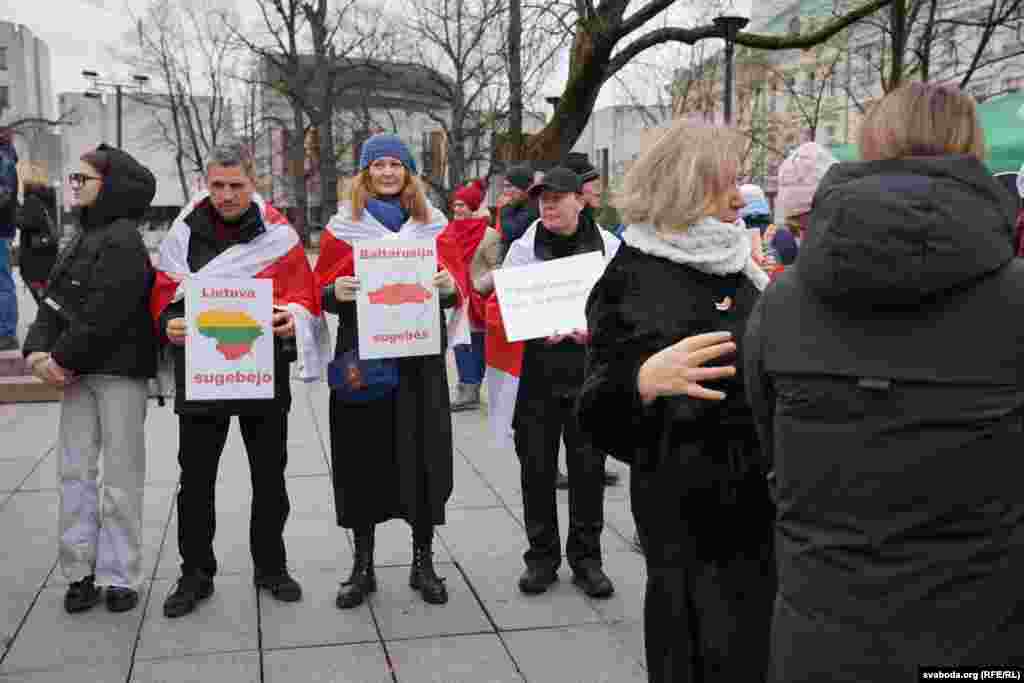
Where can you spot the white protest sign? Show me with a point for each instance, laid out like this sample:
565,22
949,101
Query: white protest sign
543,299
229,350
397,304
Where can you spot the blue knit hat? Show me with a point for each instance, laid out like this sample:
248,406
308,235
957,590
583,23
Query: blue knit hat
386,145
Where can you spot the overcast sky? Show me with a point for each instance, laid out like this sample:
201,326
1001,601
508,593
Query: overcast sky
80,33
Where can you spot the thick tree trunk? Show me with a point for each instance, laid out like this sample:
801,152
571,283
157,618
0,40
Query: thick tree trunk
587,73
898,30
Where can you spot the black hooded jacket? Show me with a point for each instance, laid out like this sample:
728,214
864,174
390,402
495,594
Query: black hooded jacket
95,318
887,383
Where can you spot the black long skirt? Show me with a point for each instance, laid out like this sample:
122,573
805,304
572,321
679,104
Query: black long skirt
392,458
711,575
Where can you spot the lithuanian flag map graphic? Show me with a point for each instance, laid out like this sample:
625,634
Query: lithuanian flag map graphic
234,331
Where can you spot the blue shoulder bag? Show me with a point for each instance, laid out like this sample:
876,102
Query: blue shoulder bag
356,380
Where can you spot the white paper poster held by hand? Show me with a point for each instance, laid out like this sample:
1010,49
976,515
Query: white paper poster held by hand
229,350
397,305
544,299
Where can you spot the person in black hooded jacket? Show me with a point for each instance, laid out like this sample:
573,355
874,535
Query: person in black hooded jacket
94,337
887,384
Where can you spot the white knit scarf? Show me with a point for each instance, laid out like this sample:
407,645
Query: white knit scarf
709,245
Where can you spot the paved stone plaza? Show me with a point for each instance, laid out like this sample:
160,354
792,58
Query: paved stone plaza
488,632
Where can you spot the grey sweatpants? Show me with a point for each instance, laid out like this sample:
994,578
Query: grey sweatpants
102,413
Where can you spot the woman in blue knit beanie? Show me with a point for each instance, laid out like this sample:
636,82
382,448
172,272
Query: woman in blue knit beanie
403,405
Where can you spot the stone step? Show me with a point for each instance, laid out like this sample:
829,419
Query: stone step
12,364
27,389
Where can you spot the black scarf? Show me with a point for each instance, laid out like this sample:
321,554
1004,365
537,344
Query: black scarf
587,238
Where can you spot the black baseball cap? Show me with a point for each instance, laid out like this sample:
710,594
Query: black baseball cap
579,163
558,179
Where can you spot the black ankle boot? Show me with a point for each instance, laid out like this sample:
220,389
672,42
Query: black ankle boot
423,577
362,581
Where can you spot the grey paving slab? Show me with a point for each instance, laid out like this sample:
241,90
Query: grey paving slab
401,612
315,620
53,639
578,654
618,515
235,667
72,674
44,477
364,663
311,497
455,659
483,532
33,427
470,489
31,517
631,636
14,471
305,460
317,545
21,589
495,580
226,622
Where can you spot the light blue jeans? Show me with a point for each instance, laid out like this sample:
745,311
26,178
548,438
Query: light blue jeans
8,294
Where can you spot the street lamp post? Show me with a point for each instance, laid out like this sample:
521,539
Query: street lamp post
730,23
138,83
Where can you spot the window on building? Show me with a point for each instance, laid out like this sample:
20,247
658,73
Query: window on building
830,132
794,25
5,97
3,59
1013,84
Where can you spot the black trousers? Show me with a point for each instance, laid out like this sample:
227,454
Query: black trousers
540,426
201,440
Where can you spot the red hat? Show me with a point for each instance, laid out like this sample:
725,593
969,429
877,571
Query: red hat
472,195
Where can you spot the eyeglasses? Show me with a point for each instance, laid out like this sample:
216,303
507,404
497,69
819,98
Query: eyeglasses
81,179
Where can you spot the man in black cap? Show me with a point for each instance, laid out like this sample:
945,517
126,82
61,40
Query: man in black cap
549,382
518,212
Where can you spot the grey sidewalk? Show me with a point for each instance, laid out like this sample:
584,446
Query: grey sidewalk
487,632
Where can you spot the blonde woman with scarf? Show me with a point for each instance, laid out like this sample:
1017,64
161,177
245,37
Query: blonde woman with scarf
676,296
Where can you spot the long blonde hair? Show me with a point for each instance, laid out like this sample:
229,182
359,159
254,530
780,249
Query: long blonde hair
672,182
922,120
412,198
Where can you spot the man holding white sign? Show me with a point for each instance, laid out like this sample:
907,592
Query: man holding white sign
232,234
552,374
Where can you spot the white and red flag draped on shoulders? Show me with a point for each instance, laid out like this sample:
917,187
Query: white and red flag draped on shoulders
504,363
343,230
277,255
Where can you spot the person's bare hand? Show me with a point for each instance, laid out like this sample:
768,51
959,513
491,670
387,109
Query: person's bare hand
284,324
444,283
677,370
346,288
52,373
177,330
555,339
581,337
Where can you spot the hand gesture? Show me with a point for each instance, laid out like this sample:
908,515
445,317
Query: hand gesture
346,288
677,371
52,373
444,283
284,324
177,330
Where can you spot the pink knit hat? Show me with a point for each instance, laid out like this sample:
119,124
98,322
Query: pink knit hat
799,176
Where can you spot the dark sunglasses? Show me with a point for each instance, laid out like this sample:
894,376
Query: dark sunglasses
81,178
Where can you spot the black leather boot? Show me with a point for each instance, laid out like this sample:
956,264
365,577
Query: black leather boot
362,581
423,577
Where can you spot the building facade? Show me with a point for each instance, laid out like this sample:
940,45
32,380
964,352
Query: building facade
615,136
26,94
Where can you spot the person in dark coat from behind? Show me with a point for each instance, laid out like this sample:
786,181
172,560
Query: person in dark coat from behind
93,336
886,377
39,243
697,485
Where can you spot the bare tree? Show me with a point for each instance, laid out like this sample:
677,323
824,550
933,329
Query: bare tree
192,63
605,39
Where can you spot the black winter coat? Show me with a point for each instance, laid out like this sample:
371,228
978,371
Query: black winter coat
39,245
886,375
95,317
641,305
203,246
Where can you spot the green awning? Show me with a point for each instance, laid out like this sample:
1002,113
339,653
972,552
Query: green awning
1002,118
1003,121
